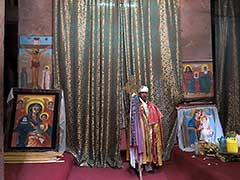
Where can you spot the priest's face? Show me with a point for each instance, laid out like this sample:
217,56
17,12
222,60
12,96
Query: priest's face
143,96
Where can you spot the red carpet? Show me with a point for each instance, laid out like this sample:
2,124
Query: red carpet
125,173
181,167
198,168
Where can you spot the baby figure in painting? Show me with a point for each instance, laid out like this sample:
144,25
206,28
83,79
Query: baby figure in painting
206,132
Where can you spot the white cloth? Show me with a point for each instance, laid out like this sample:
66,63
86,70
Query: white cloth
144,104
135,157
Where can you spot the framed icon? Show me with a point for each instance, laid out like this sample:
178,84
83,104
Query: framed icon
33,125
198,82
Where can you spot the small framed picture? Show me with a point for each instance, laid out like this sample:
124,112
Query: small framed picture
33,125
198,82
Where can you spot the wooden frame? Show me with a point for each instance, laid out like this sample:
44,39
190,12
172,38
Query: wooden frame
33,124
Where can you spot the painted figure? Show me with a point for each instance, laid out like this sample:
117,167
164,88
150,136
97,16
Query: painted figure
46,78
23,78
50,105
28,124
20,104
193,126
194,86
35,54
41,137
206,132
187,77
205,80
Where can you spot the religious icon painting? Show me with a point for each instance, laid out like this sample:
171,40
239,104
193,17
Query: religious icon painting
34,122
198,123
35,62
198,80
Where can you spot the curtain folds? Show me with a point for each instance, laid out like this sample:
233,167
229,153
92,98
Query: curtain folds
150,34
98,46
227,62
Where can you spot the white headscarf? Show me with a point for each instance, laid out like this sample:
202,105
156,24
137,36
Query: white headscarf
143,89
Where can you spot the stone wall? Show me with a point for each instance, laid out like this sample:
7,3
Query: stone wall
196,31
35,17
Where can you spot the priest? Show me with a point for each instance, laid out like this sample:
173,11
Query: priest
146,144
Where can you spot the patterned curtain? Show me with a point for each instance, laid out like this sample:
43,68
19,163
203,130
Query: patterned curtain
150,44
99,46
227,61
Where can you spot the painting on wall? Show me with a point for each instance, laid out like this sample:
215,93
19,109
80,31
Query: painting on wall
35,62
34,121
198,123
198,81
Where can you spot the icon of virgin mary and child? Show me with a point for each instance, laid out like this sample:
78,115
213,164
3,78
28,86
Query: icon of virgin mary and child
32,129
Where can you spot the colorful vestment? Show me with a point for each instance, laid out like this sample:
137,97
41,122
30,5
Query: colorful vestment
145,133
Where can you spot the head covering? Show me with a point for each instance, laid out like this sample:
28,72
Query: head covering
143,89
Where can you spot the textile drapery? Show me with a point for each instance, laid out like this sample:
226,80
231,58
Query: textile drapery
98,46
226,16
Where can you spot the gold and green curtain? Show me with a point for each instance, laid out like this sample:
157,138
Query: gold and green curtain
99,46
226,17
